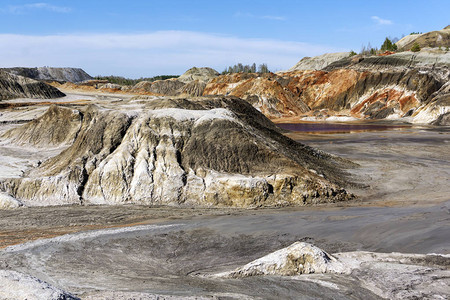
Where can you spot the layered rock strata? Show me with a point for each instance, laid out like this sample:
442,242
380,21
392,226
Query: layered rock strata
205,152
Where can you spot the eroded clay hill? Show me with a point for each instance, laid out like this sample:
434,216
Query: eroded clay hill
14,86
396,86
49,73
204,152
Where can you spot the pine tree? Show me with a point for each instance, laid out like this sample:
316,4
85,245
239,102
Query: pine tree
263,68
388,45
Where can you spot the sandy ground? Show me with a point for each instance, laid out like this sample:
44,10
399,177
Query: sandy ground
404,207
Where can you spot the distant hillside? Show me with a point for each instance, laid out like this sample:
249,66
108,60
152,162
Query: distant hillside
201,74
433,39
48,73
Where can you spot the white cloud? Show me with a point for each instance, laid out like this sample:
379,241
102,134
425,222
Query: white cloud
19,9
381,21
163,52
266,17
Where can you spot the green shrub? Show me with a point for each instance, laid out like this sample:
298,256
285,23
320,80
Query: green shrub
415,47
352,53
368,50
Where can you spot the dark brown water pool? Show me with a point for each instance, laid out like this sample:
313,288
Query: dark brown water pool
338,127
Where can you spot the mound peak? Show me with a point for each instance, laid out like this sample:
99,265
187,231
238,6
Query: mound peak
201,74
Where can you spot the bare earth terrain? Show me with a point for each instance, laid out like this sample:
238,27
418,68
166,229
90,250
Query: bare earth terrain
141,252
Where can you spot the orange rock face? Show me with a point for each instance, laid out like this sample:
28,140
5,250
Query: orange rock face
360,94
263,92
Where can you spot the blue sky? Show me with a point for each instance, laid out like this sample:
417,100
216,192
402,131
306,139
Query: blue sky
146,38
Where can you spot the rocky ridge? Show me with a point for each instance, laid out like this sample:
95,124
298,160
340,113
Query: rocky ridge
205,152
318,62
74,75
15,86
408,86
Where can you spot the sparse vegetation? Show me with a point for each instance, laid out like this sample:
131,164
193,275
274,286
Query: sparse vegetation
240,68
368,50
388,45
415,33
352,53
415,47
127,81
